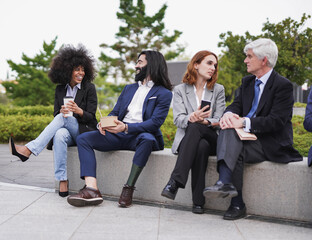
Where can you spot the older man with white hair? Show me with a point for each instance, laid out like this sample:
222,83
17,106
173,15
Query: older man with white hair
263,107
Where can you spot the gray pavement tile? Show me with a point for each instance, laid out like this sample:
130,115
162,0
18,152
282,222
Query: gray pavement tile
121,228
253,229
113,236
29,224
121,225
175,224
17,235
4,217
110,209
52,205
186,215
16,200
33,180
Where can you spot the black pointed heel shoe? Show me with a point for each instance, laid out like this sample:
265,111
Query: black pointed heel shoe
63,194
14,152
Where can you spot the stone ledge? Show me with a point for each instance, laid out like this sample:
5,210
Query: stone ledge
270,189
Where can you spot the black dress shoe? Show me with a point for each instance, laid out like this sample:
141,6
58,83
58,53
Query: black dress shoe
234,213
220,190
64,194
170,190
198,209
14,152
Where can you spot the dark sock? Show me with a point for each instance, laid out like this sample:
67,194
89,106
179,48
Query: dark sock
238,200
134,174
225,174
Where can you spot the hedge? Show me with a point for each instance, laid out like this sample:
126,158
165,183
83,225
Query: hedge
26,123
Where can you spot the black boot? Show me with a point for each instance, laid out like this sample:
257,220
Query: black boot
170,190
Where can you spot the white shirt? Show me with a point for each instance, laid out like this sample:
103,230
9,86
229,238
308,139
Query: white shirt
72,91
264,80
203,95
135,108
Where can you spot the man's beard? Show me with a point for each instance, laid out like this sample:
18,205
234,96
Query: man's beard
141,75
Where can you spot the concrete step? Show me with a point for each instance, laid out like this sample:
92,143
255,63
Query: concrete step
270,189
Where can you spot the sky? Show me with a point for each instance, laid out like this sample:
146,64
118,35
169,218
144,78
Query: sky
26,24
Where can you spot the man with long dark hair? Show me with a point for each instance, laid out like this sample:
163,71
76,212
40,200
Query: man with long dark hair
141,108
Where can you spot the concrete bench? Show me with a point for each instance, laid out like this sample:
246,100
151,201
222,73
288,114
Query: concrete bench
270,189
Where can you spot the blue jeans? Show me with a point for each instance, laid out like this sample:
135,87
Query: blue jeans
64,132
143,144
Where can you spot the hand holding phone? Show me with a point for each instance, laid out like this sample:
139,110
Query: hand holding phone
205,103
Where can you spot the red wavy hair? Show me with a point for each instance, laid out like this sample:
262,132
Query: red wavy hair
190,76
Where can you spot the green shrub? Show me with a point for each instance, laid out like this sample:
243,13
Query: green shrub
168,130
302,138
26,123
22,127
30,110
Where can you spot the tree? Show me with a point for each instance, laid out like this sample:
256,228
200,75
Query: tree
33,86
231,67
107,93
294,60
139,32
295,48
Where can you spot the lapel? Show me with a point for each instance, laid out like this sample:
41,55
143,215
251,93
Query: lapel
131,89
190,95
153,90
62,93
208,94
266,92
79,95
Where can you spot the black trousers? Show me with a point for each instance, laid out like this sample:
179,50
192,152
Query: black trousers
235,153
198,143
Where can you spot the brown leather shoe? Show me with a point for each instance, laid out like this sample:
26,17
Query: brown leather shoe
86,197
125,199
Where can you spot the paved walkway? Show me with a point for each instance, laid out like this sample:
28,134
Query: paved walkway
30,209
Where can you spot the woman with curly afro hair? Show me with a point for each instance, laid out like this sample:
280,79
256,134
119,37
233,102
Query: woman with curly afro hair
73,70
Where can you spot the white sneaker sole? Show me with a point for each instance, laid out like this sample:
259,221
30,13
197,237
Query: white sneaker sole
81,202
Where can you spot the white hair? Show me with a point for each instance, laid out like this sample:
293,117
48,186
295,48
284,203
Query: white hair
264,47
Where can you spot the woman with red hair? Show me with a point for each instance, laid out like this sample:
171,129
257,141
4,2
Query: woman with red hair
196,135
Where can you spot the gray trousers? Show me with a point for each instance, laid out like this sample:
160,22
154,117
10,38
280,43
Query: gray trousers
235,153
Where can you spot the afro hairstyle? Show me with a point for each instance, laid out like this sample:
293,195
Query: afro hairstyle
68,58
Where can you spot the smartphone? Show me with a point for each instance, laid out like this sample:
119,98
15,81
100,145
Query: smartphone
205,103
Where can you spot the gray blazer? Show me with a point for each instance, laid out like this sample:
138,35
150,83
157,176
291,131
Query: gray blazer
184,103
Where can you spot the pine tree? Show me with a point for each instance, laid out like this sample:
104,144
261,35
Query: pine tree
33,86
140,32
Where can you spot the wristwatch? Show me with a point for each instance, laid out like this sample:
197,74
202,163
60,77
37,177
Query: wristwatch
244,122
126,128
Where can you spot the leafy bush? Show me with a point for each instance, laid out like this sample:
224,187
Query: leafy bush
22,127
168,130
26,123
302,138
30,110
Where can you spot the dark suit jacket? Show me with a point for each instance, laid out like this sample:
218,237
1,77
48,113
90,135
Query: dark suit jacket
272,123
155,110
86,99
308,123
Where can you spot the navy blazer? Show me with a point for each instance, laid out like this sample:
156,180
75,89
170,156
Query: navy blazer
307,123
155,110
272,123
